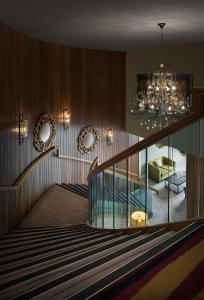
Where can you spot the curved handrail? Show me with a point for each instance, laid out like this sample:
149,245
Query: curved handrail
175,226
19,181
150,140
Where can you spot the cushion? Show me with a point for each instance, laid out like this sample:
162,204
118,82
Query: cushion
158,163
164,172
168,167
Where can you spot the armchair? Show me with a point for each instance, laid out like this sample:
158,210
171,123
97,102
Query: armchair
161,172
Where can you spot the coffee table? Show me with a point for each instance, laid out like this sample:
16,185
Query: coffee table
177,179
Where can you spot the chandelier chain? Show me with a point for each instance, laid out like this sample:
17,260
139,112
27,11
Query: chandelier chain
162,45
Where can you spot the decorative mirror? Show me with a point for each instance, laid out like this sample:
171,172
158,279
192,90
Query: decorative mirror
87,139
44,133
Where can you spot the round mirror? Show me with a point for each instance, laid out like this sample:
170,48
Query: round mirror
88,139
44,133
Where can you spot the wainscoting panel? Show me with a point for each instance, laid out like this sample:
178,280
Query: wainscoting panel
38,77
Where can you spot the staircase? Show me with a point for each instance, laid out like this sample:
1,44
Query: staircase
82,190
76,261
57,207
54,255
79,189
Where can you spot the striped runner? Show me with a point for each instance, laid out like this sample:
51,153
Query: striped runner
178,276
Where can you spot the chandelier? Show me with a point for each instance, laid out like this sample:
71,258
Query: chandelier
155,121
162,94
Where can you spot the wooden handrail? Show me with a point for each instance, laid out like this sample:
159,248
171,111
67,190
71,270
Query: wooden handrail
62,156
152,139
72,157
19,181
129,172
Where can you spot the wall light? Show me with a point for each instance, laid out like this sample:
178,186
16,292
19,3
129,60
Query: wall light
110,136
66,118
23,129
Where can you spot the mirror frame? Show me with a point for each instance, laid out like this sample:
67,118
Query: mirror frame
39,145
81,138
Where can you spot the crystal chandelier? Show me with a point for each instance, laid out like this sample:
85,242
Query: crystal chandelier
162,94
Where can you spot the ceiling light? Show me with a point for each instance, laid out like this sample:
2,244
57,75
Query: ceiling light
162,94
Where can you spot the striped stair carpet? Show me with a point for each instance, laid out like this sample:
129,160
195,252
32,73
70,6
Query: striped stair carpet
76,261
57,199
175,274
80,189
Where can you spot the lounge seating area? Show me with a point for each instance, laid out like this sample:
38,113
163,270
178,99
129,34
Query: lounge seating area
160,168
177,165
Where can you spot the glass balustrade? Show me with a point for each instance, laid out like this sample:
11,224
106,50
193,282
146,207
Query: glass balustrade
162,183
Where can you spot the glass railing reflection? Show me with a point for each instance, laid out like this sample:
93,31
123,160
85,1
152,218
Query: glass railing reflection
162,183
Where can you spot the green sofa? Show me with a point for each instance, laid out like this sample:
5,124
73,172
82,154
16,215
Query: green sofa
159,173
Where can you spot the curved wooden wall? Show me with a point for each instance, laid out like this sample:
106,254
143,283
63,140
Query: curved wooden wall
38,77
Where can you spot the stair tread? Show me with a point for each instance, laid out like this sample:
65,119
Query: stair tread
48,246
51,251
59,258
37,238
80,264
89,277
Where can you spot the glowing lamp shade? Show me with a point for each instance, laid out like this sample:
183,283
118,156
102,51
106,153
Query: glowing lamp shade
66,118
23,129
139,218
110,135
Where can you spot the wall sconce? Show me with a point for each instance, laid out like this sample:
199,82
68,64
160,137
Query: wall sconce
110,137
66,118
23,129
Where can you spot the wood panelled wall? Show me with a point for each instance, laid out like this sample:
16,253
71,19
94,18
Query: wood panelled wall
195,186
38,77
195,165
